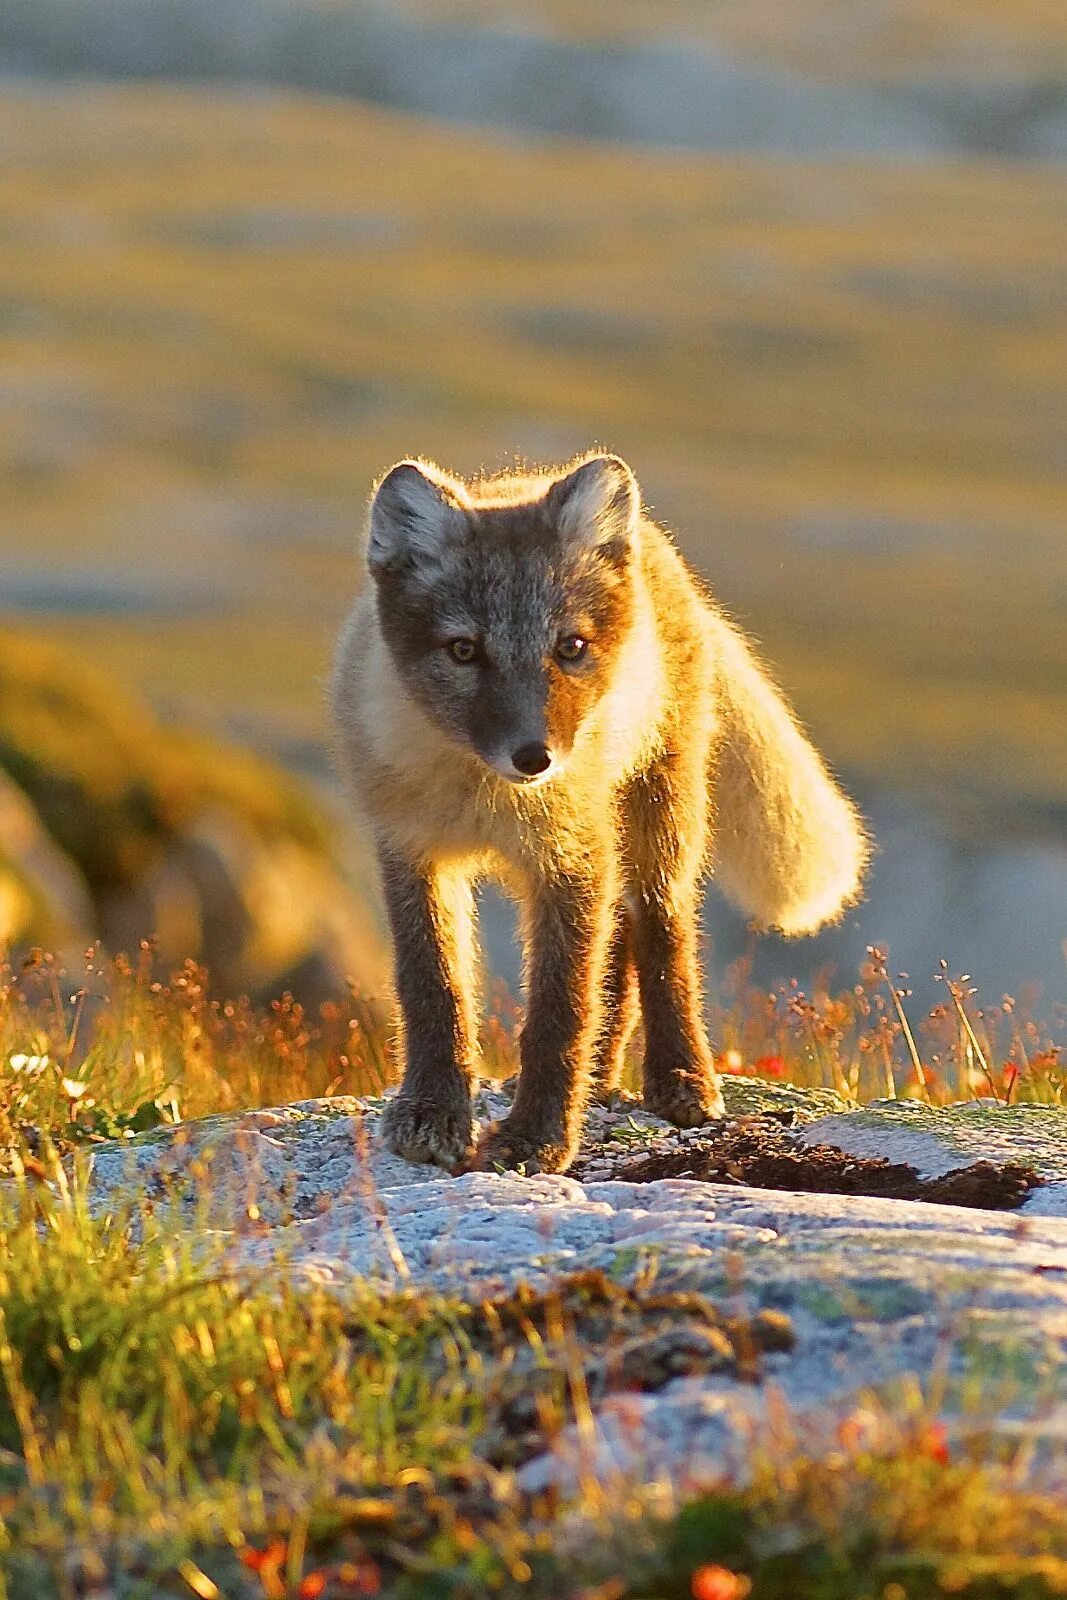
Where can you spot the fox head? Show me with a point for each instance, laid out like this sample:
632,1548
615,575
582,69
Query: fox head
503,604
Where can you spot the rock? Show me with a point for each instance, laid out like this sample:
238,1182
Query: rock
846,1295
114,825
688,87
43,897
748,1097
263,917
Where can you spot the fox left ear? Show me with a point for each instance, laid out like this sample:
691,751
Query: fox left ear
598,506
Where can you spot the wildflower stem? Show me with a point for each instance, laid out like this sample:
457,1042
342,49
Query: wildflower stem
909,1037
972,1038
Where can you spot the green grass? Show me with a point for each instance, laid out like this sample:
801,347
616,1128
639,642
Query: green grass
222,315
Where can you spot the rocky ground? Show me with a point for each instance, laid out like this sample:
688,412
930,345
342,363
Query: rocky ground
865,1293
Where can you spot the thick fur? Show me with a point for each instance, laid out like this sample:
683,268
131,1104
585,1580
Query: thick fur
667,752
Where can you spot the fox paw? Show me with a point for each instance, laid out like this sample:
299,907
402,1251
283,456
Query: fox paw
520,1151
688,1099
421,1130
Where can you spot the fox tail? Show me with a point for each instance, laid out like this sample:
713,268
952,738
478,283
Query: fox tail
789,848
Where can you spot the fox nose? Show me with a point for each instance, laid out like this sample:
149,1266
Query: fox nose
531,759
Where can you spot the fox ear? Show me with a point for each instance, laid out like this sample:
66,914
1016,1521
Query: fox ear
598,506
413,511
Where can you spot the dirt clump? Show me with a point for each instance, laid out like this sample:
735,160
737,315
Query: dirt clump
760,1152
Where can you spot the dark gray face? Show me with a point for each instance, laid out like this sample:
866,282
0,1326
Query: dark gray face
504,620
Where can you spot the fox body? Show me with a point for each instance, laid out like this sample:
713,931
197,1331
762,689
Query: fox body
535,687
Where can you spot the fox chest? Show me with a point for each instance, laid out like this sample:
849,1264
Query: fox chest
445,817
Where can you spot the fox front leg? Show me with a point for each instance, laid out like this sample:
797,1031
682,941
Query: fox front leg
568,929
431,917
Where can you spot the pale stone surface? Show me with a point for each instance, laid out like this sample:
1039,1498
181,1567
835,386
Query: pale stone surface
876,1289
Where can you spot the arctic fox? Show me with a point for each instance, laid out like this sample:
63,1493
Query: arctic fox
535,687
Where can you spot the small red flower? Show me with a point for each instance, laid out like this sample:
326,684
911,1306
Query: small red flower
267,1565
312,1585
771,1066
718,1583
933,1444
273,1556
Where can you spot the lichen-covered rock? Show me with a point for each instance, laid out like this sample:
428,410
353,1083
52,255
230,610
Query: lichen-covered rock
749,1097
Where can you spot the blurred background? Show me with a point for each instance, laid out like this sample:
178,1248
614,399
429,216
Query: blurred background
802,262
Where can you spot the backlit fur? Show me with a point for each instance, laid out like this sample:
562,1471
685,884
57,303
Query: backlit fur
671,754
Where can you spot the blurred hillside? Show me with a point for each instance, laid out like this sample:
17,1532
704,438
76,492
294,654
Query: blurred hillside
220,316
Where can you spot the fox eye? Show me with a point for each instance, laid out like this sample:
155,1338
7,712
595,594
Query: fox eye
572,647
463,650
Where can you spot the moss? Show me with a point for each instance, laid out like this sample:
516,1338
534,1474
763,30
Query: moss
754,1096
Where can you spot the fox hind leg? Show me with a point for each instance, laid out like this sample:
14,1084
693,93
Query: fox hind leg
668,833
621,1008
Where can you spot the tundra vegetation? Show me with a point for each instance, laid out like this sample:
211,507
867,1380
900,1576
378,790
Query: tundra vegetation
167,1427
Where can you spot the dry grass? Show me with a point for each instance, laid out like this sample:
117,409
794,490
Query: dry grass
112,1051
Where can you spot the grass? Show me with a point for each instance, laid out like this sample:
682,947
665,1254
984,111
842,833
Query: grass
221,315
166,1427
170,1426
112,1050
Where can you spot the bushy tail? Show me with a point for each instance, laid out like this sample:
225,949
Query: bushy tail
789,849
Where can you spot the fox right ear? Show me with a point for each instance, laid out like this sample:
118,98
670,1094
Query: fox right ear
411,516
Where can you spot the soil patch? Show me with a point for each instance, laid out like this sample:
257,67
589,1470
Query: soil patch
762,1153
